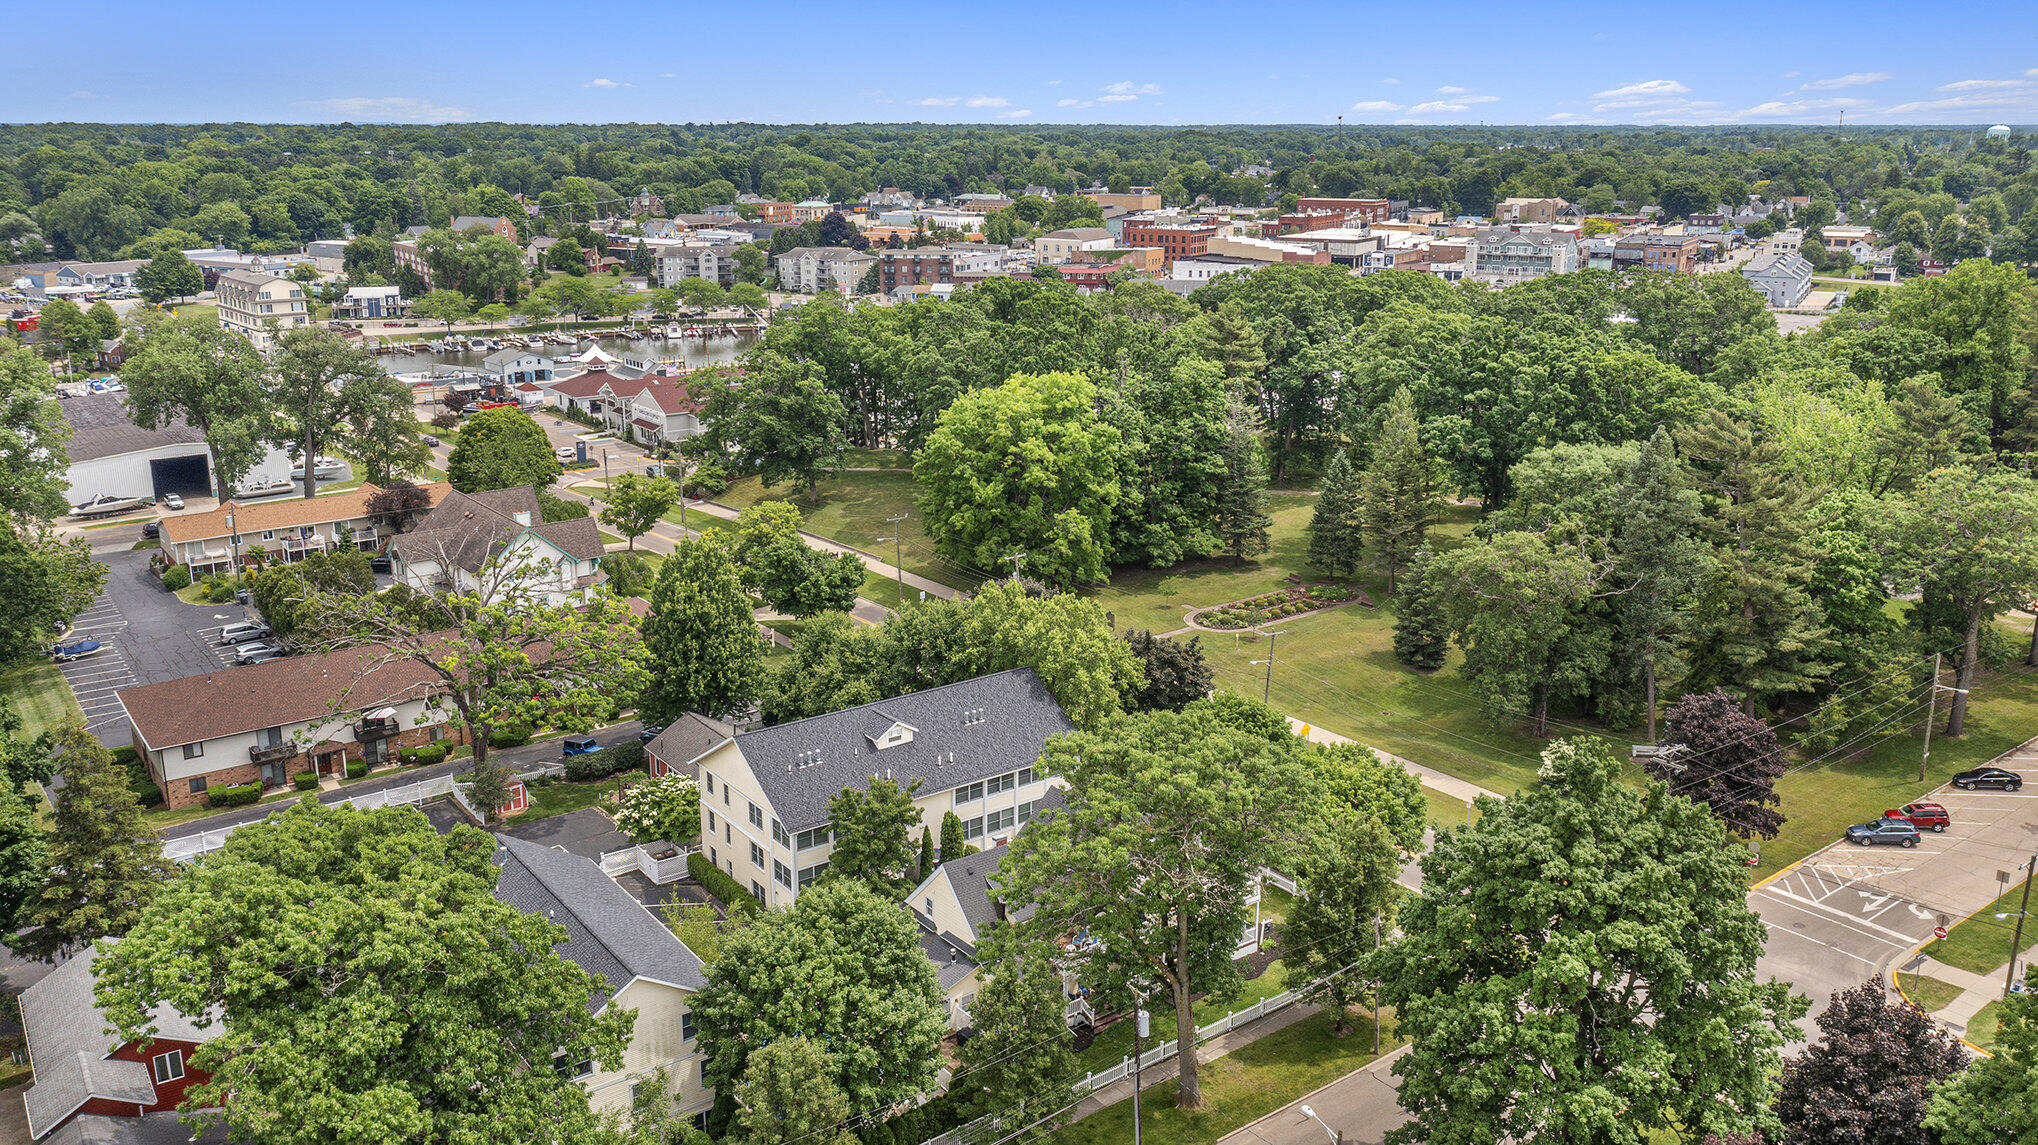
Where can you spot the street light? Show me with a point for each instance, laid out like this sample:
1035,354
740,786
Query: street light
1336,1138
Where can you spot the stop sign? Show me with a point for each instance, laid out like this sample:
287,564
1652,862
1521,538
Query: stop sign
1938,932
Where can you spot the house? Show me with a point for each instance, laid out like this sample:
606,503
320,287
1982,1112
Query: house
1783,278
263,723
480,542
651,411
955,905
493,224
1057,247
89,1080
371,302
118,274
813,269
258,306
110,454
971,747
678,749
514,367
1513,210
646,203
286,529
810,209
112,354
641,964
534,251
1839,238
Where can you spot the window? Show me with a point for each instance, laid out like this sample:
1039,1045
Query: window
779,835
1026,810
725,795
572,1065
711,821
198,786
757,891
999,783
709,778
757,856
194,750
999,820
713,858
929,912
686,1027
728,835
1027,775
973,828
781,874
169,1066
756,816
815,837
809,874
968,793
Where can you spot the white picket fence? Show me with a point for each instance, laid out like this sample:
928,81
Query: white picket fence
410,794
1274,878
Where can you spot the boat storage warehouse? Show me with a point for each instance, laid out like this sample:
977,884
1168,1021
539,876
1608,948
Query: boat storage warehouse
111,455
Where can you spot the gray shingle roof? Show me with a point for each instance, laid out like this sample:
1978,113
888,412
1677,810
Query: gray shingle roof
469,529
69,1038
686,739
501,358
608,932
100,427
953,958
802,764
148,1129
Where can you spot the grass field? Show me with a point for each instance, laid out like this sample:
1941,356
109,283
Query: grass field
854,508
1981,942
1114,1044
40,694
1981,1029
1240,1087
1929,993
560,798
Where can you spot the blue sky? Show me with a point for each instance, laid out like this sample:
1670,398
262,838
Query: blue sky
1299,61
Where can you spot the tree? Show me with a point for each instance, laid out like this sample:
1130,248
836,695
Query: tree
1518,607
1989,1103
194,369
1971,539
1399,489
398,505
762,526
1906,261
1347,875
1242,520
788,1096
1023,467
501,448
324,933
1336,527
1869,1078
33,437
636,504
447,306
45,582
105,864
65,323
1659,562
1170,817
1176,673
1617,1000
641,263
1357,783
366,255
873,839
169,275
1422,630
24,857
843,968
329,392
782,422
1729,762
952,846
1019,1070
701,637
800,581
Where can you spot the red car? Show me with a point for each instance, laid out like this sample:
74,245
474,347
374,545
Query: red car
1924,816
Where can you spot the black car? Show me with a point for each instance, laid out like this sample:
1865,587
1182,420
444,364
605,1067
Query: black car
649,733
1988,777
152,530
1895,832
378,564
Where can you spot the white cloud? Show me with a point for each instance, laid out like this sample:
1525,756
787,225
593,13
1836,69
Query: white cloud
1960,103
1797,109
939,101
606,82
1390,80
1851,79
1054,83
1561,116
1792,75
1437,105
1015,113
1124,91
1984,85
387,109
2031,71
987,101
1375,105
1077,103
1449,90
1647,88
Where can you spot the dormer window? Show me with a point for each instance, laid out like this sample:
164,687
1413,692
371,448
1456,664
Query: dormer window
893,736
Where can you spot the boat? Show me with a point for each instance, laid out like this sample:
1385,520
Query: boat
65,653
106,504
266,488
322,467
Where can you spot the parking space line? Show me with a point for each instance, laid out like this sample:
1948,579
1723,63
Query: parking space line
1808,938
1852,920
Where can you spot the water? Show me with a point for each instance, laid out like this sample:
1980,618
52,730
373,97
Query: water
694,352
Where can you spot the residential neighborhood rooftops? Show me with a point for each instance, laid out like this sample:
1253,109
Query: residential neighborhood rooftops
101,427
252,279
69,1037
688,738
275,693
953,734
165,1128
469,529
285,513
608,932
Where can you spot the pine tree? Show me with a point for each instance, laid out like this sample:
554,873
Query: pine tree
701,636
105,863
1421,629
926,851
1242,520
640,260
1335,539
1400,495
1231,342
1020,1066
1659,561
951,836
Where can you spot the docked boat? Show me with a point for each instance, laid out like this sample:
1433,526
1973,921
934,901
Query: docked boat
322,467
106,504
266,488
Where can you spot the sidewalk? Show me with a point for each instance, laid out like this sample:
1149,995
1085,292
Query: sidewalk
1362,1105
1977,990
1436,781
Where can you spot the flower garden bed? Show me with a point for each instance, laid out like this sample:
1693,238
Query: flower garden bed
1278,605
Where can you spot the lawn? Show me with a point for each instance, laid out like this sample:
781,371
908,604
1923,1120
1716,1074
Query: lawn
1448,810
1115,1042
39,693
854,508
1929,993
1240,1087
1981,942
161,817
560,798
1981,1029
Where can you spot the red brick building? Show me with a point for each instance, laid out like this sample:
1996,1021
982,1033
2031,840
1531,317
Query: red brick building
911,267
1175,240
1356,210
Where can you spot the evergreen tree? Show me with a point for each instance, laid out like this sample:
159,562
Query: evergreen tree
1422,630
872,840
701,637
1176,674
1400,495
640,260
787,1095
951,836
1242,520
105,863
1659,558
1227,339
926,851
1335,536
1020,1066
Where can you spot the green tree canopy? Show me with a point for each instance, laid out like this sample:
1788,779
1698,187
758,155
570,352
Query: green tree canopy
501,448
700,636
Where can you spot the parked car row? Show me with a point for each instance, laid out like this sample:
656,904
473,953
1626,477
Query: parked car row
1903,826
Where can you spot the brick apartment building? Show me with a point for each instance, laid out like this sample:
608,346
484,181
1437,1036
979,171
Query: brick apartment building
1356,210
1175,240
913,266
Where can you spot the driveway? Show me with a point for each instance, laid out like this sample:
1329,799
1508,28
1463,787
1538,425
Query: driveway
585,832
151,636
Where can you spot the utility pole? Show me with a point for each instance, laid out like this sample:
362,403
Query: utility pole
898,568
2023,912
1138,1032
1376,987
1018,560
1932,713
1267,686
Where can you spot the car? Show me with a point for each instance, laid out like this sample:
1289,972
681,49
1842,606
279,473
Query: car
65,653
430,440
173,500
243,632
577,745
649,733
566,453
378,564
1893,832
1988,777
1924,816
256,653
152,530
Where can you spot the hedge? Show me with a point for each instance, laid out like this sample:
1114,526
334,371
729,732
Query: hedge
239,795
356,768
720,884
424,756
126,756
509,735
176,577
305,780
612,760
920,1123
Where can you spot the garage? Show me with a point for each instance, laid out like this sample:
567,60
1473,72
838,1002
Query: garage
188,476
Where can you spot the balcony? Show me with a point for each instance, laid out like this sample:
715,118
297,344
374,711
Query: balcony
260,755
373,728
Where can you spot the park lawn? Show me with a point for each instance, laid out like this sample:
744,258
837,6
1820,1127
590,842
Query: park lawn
877,459
853,508
1160,599
559,798
197,310
1114,1044
1981,1029
1448,810
1242,1086
1980,943
1929,993
40,694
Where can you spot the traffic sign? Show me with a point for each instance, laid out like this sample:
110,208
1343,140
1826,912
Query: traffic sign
1939,932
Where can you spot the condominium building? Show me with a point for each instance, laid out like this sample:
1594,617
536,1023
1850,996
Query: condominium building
259,307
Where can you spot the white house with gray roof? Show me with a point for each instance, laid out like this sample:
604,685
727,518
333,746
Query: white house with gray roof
972,747
1783,278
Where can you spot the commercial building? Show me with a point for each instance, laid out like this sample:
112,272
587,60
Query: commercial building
112,455
258,306
1512,210
1175,240
1355,211
1057,247
1511,255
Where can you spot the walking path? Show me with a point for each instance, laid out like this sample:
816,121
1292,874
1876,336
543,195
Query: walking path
1436,781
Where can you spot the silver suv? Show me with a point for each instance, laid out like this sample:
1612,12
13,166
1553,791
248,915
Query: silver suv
242,633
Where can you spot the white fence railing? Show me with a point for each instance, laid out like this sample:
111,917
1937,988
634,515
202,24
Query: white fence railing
646,861
1275,878
423,791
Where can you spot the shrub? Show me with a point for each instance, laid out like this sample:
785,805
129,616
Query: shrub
221,593
177,577
126,756
304,780
608,761
145,793
664,807
509,735
424,756
718,883
238,795
356,768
